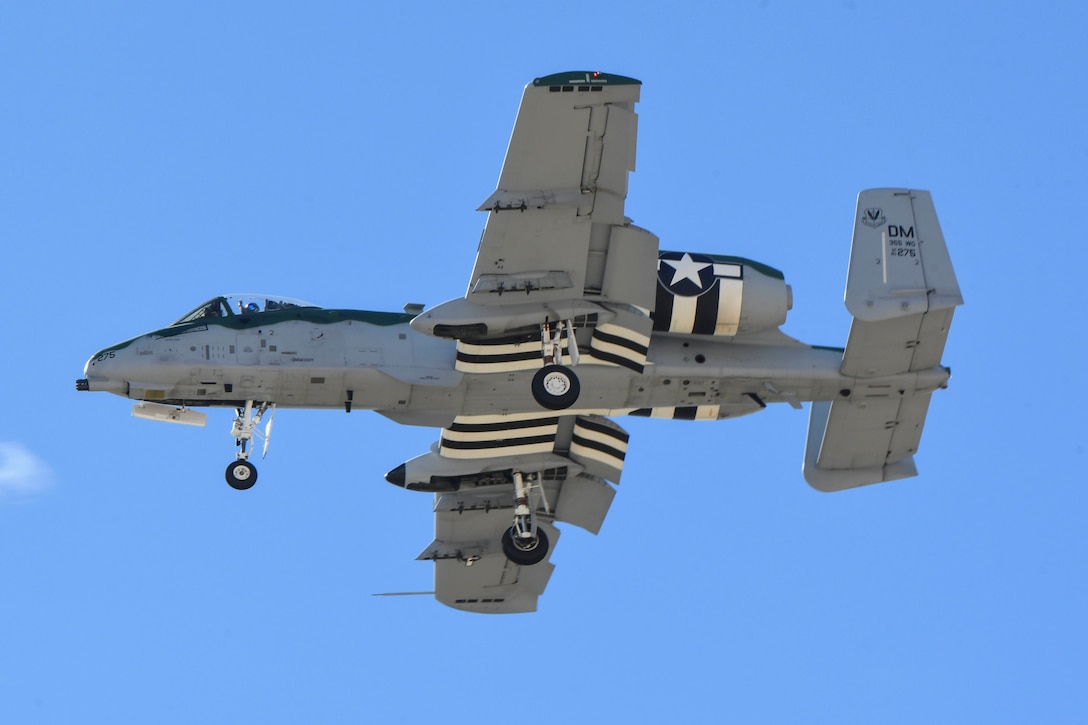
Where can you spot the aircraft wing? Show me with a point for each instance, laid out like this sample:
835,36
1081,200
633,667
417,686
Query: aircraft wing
570,459
556,236
564,178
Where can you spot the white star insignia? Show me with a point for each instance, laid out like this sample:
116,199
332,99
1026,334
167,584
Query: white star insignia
686,268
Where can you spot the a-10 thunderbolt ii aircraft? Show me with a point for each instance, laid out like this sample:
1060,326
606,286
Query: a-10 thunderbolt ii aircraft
572,316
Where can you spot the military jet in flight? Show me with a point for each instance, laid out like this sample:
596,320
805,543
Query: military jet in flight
572,316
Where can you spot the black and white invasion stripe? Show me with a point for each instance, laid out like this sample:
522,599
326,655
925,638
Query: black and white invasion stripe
502,355
599,439
618,345
490,436
680,412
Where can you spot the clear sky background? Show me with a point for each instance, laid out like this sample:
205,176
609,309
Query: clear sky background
155,155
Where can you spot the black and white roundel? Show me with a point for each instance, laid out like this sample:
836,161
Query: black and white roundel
685,274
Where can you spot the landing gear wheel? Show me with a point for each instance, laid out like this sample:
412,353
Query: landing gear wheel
556,387
241,475
525,554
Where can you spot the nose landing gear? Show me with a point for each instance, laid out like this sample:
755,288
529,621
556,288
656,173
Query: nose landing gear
241,474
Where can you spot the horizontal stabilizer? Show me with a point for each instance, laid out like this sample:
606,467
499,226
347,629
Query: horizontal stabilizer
902,291
855,444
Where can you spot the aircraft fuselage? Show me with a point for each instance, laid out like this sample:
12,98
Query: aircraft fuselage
350,359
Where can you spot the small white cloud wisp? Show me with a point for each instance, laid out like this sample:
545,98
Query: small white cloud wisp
21,472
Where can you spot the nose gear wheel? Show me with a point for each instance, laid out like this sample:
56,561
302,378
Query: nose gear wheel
241,475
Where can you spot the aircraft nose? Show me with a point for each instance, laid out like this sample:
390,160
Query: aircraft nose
97,374
99,362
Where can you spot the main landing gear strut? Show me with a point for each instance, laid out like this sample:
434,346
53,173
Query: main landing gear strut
555,386
523,543
241,474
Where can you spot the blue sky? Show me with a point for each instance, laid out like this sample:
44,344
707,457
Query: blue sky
154,156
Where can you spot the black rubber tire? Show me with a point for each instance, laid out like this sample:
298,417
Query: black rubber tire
523,557
545,383
241,475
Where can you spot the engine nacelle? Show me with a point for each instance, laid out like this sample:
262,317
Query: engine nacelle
710,294
696,294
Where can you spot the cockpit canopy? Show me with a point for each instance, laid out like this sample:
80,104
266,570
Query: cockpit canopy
241,304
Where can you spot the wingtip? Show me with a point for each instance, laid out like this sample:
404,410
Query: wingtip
585,77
